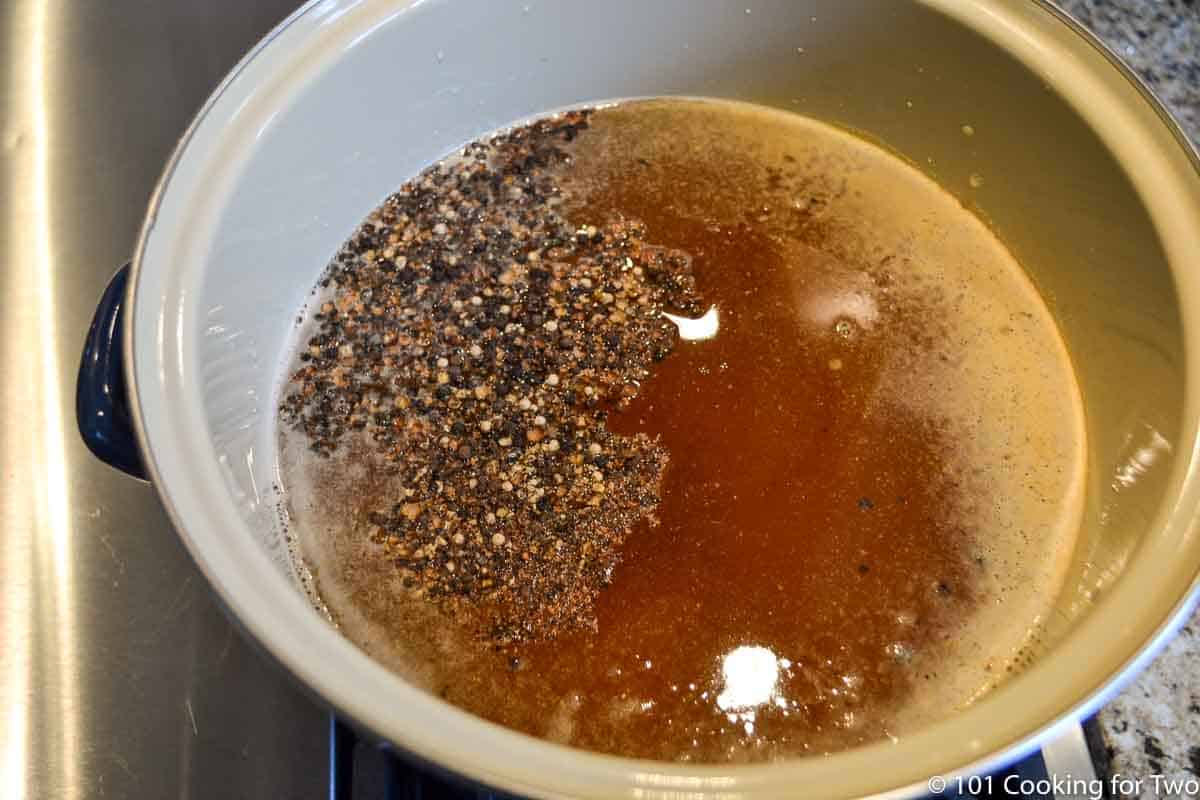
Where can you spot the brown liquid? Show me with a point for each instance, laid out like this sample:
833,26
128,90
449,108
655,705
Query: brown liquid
874,464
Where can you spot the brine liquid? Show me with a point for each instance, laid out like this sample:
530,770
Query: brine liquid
875,467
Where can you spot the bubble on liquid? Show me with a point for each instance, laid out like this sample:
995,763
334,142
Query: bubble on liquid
899,652
441,56
976,180
968,130
908,103
844,328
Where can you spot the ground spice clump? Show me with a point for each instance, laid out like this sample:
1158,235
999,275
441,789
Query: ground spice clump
476,339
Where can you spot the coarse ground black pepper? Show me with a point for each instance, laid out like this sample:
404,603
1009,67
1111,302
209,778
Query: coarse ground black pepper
479,339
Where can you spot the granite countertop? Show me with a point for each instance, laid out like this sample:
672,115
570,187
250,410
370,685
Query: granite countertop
1153,727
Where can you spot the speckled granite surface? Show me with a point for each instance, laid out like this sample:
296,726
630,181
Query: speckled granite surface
1153,727
1158,38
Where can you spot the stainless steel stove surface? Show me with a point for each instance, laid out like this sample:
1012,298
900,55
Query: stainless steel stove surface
120,676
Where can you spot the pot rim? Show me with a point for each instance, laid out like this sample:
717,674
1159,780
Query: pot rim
634,777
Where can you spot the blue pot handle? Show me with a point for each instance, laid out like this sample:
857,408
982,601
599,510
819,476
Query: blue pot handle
101,401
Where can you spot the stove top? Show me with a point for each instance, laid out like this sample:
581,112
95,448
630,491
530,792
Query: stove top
119,674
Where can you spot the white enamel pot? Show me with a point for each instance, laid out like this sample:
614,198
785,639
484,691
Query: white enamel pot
1085,178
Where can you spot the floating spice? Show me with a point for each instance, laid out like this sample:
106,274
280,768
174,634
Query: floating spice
477,339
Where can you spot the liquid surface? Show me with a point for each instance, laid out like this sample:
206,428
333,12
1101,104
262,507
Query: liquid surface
875,462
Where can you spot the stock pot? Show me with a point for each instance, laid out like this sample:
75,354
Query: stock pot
1072,162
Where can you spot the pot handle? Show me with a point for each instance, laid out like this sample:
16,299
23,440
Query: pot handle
101,401
1068,756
